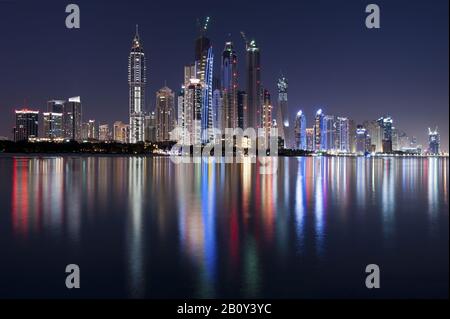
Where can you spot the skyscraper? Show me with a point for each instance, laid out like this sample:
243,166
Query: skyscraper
104,133
253,84
27,124
242,109
376,133
310,139
73,119
434,142
121,132
266,116
300,131
328,133
53,125
229,86
217,104
318,130
150,127
204,61
342,135
385,124
137,80
165,113
363,143
193,112
283,112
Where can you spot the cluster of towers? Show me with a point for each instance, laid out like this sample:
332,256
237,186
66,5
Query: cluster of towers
206,105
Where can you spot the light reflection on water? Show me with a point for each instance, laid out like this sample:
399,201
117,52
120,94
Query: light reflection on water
214,230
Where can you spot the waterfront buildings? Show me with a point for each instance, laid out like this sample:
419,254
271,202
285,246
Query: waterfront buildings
229,86
434,142
254,88
283,112
53,125
121,132
73,119
27,124
137,81
165,114
318,131
300,131
363,143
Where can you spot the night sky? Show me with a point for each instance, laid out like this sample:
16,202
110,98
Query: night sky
330,58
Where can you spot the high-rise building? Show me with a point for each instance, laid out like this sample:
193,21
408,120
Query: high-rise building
266,116
53,125
342,135
73,119
121,132
217,104
376,133
92,130
27,124
395,139
318,131
150,127
204,61
165,114
328,133
193,112
229,86
283,112
434,142
104,133
254,84
385,124
363,143
300,131
137,81
242,109
310,139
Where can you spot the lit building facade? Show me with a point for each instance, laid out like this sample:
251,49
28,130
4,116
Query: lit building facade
434,142
27,124
300,131
283,112
137,81
165,114
53,125
229,85
73,119
254,88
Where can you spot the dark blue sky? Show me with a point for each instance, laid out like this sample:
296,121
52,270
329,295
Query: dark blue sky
330,59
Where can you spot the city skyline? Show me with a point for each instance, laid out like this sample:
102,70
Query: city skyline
93,104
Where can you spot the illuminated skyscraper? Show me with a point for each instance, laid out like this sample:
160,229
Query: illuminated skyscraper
27,124
204,61
165,113
104,133
434,142
342,135
242,109
328,133
253,84
73,119
121,132
137,80
310,139
363,143
283,112
229,86
218,110
53,125
385,124
193,112
150,127
266,116
318,131
300,131
376,133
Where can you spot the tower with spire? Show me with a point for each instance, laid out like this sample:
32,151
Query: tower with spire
137,81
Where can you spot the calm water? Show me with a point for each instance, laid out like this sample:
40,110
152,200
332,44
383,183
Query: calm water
146,228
